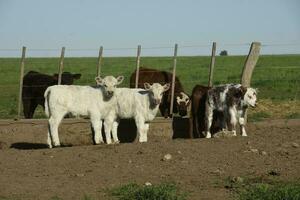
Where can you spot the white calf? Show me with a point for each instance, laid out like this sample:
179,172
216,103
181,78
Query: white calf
95,102
140,104
232,100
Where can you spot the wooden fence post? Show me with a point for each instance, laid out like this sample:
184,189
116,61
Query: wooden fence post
137,71
61,65
249,66
173,79
212,64
99,63
21,81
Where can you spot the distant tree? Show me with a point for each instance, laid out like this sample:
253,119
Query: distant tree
224,53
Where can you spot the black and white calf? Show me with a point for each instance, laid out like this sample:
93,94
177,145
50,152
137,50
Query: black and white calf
232,100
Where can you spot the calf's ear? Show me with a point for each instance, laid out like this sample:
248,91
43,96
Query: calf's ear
166,86
178,99
76,76
99,80
243,90
147,86
120,79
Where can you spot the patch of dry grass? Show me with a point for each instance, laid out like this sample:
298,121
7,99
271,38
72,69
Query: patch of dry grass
267,108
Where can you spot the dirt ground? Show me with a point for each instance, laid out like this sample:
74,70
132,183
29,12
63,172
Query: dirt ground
28,170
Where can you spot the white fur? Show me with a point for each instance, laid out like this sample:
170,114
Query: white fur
79,101
140,104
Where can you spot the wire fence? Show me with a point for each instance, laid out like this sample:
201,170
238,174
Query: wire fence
277,77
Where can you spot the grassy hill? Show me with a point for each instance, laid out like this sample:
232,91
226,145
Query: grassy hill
276,76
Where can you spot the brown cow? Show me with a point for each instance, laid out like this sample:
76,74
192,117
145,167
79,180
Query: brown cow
181,100
197,113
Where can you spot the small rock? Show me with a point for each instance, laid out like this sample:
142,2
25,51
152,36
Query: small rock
80,175
179,152
248,143
167,157
51,156
129,161
148,184
254,150
217,172
295,145
237,179
263,153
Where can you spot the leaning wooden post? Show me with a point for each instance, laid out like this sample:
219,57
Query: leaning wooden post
137,71
99,63
61,65
21,81
212,64
249,66
173,79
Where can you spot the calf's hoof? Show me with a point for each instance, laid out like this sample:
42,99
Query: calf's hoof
99,142
142,140
208,135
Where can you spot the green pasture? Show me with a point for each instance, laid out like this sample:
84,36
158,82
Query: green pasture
276,76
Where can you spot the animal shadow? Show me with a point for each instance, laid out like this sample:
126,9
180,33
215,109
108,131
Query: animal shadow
30,146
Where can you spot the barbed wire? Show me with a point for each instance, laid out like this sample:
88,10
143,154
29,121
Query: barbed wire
153,47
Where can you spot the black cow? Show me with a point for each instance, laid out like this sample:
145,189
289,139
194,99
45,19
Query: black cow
35,85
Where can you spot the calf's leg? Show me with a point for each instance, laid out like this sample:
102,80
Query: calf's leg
191,127
54,122
140,124
242,121
97,126
115,131
242,126
26,107
232,120
208,120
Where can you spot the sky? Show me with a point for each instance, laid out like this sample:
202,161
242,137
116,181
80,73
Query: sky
119,26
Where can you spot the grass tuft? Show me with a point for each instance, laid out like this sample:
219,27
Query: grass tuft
164,191
263,191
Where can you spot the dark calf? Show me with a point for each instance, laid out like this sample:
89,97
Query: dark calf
34,86
197,113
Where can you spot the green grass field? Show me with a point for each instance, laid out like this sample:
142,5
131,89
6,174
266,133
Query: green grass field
276,76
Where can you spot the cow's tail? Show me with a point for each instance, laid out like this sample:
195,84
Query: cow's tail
46,96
